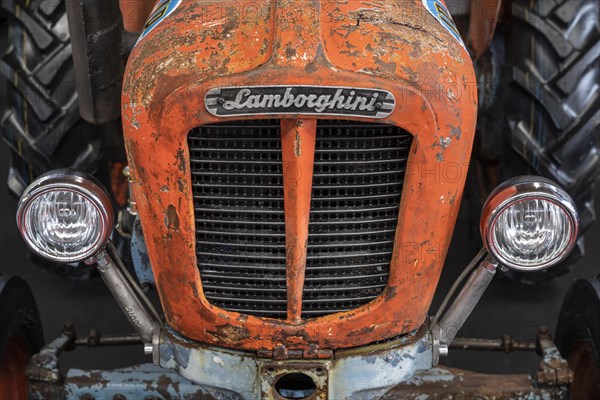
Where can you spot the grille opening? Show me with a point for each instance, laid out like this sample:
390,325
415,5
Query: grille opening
240,225
296,386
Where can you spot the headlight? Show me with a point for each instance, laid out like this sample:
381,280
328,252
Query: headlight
529,223
65,216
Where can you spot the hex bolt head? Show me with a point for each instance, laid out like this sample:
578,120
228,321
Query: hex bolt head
443,350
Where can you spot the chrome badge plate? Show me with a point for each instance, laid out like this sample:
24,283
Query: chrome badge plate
300,100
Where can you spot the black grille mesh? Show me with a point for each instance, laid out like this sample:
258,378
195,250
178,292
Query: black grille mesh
240,232
357,184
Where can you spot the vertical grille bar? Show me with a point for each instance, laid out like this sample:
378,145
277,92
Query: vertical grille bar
238,199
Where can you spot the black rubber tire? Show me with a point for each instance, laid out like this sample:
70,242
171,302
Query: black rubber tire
39,112
553,54
21,335
579,324
19,314
551,99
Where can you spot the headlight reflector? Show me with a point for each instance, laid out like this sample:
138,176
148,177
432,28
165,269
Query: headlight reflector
529,223
65,216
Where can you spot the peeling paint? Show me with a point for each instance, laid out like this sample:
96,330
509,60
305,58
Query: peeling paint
298,145
171,218
373,44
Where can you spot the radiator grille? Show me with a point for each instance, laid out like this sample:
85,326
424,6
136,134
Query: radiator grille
240,232
357,184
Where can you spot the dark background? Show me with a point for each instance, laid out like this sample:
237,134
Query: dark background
507,307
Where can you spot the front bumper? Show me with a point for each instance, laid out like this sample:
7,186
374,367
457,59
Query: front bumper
366,372
399,369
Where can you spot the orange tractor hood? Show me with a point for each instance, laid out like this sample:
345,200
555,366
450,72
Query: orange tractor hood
401,47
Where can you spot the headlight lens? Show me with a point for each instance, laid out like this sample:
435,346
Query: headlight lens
65,216
529,223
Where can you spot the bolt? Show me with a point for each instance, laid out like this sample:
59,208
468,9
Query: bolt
280,352
148,349
68,328
443,350
146,286
94,337
119,397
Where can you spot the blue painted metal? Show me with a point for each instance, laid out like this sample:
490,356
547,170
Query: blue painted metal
361,373
144,381
139,256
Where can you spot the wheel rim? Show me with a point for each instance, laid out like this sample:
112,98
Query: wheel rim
13,382
586,371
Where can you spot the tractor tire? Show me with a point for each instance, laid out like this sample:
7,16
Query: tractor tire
578,337
21,336
550,96
39,111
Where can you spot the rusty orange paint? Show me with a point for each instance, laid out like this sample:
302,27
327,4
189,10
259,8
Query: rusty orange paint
14,384
135,13
396,46
298,138
483,21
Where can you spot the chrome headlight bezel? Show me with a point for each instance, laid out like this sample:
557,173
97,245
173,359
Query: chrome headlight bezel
68,180
519,189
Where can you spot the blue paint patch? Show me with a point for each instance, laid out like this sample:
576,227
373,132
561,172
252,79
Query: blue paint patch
396,359
163,9
140,257
441,13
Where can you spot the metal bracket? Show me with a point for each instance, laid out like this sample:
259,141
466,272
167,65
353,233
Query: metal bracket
554,369
44,365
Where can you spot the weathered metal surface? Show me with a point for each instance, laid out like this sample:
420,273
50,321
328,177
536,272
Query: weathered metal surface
130,300
506,344
43,366
448,383
95,339
298,138
144,381
270,374
395,46
554,370
367,371
484,19
396,369
139,257
466,300
135,13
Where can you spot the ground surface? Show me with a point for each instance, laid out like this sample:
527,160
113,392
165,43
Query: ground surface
505,308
